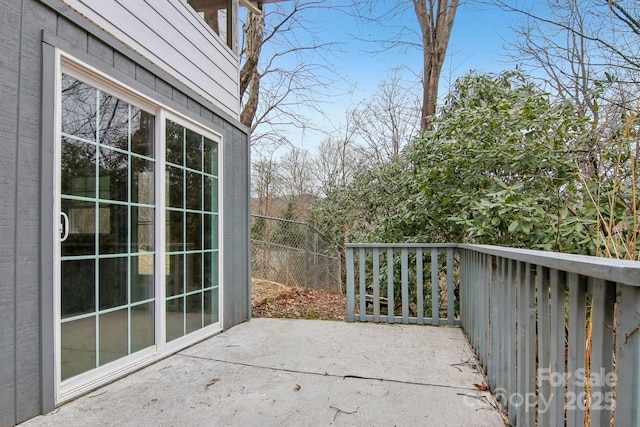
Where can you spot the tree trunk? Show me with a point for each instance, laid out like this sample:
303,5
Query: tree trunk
436,21
249,75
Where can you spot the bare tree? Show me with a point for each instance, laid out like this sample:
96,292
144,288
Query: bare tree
286,70
389,119
435,19
265,183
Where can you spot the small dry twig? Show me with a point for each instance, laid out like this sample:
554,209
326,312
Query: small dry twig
338,410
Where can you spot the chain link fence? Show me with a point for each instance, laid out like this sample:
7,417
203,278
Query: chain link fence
294,253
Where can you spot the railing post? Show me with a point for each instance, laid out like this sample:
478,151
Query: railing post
350,287
627,411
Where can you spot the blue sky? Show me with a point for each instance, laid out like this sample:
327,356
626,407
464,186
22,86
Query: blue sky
476,43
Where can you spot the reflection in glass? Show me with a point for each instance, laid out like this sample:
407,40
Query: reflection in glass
142,283
175,271
114,121
175,318
194,272
113,282
82,232
210,188
210,269
142,223
114,170
77,347
194,150
194,312
210,156
174,231
174,189
78,287
175,143
78,108
211,306
210,225
114,335
194,191
78,168
142,185
194,231
113,234
142,327
142,125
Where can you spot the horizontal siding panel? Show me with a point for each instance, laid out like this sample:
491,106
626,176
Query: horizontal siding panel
171,35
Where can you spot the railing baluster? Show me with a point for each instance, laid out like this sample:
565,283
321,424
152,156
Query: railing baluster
557,348
511,340
521,355
530,345
376,285
404,273
362,259
544,329
435,300
604,296
390,293
577,340
451,306
493,369
420,285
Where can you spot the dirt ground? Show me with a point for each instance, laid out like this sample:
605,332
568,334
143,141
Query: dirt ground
271,299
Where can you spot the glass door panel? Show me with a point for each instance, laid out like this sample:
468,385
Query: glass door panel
108,251
190,229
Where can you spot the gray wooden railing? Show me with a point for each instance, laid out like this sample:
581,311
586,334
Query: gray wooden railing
558,335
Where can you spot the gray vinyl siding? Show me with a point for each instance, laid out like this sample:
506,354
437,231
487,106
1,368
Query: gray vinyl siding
9,52
30,30
184,45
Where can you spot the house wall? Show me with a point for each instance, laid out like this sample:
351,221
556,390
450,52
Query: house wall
183,44
30,29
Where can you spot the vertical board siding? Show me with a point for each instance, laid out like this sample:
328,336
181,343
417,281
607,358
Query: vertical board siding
185,46
10,52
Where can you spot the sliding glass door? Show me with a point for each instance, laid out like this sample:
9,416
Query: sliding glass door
138,247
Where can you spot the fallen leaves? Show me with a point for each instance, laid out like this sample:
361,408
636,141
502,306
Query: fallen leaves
481,387
296,303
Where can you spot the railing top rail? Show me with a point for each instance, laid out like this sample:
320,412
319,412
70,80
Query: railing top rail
615,270
401,245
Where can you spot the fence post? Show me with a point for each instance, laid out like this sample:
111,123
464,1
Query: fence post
307,238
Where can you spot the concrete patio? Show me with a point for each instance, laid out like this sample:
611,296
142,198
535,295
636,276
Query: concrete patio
276,372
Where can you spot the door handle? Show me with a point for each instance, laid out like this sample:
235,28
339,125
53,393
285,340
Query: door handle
64,227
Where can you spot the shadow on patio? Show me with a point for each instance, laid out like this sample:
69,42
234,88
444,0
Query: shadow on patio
297,372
